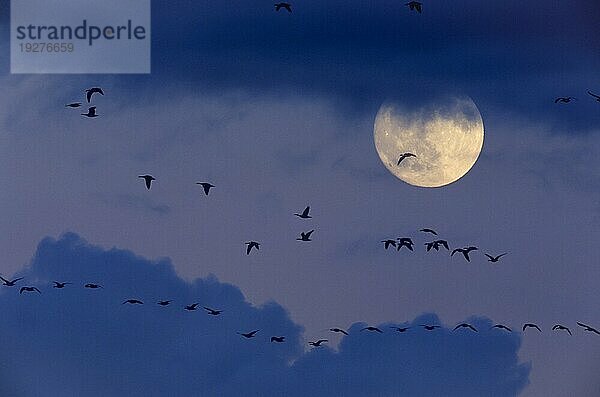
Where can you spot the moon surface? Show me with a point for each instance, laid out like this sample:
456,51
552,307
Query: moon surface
446,137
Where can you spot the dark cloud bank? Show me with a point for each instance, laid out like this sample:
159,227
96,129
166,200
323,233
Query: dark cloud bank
84,342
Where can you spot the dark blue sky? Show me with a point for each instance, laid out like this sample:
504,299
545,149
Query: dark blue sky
277,111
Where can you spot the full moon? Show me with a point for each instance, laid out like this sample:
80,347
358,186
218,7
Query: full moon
446,138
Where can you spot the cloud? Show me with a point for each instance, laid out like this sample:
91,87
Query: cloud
86,342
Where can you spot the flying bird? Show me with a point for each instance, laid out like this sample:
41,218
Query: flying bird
465,251
305,236
388,242
372,329
426,230
212,312
287,6
465,325
431,327
278,339
191,307
318,343
405,242
91,112
148,179
338,330
91,91
501,326
248,335
92,286
133,302
252,244
59,285
561,328
10,283
73,105
415,5
164,303
588,328
531,325
436,245
206,186
495,259
404,156
595,96
564,99
304,214
401,329
29,289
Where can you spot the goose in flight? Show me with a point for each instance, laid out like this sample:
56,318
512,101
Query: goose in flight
252,244
495,259
59,285
426,230
372,329
597,97
287,6
206,186
465,325
278,339
91,91
248,335
404,156
588,328
73,105
304,214
191,307
388,242
405,242
29,289
401,329
148,180
92,286
415,5
10,283
465,251
133,302
561,328
212,312
305,236
338,330
91,112
564,99
501,326
436,245
531,325
164,303
431,327
318,343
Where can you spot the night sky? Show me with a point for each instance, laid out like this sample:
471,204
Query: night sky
277,111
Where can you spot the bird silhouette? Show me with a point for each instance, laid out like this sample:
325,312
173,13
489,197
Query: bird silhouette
212,312
426,230
430,327
164,303
415,5
405,242
191,307
401,329
404,156
561,328
73,105
388,242
304,214
10,283
597,97
148,179
372,329
278,339
338,330
133,302
495,259
287,6
91,112
465,325
92,286
29,289
248,335
588,328
206,186
465,251
91,91
250,245
318,343
305,236
59,285
531,325
501,326
564,99
436,245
